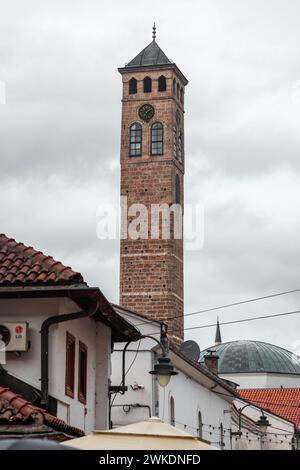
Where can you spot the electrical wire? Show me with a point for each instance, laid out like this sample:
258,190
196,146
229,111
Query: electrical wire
263,317
244,320
133,361
234,304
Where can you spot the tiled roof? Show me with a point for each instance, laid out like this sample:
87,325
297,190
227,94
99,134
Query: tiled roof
21,265
14,409
283,402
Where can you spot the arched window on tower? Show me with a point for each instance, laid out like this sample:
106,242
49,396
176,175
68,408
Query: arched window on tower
175,141
157,139
200,425
181,95
162,83
172,411
174,87
147,85
132,86
180,146
135,140
177,190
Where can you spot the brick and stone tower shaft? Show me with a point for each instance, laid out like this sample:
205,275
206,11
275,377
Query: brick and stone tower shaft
152,173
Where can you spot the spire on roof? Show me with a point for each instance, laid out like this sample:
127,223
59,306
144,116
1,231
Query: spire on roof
218,338
154,31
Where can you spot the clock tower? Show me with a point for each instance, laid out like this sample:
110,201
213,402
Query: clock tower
152,175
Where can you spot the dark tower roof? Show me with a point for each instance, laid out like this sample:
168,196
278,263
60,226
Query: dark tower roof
218,338
151,55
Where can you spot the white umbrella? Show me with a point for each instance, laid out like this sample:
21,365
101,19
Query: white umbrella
151,434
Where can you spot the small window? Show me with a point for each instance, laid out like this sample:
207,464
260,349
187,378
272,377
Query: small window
172,412
180,148
200,425
70,365
181,95
162,83
157,139
135,140
82,373
174,87
132,86
177,190
175,141
147,85
178,88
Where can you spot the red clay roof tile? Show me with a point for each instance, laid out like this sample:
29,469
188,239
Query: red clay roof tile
22,265
14,409
283,402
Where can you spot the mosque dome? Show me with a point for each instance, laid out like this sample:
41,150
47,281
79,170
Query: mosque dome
245,356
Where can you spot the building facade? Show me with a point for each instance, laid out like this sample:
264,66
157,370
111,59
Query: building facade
152,173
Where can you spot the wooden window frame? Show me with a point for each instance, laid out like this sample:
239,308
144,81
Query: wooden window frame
135,139
154,139
70,387
82,397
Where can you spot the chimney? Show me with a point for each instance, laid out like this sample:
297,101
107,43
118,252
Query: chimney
211,361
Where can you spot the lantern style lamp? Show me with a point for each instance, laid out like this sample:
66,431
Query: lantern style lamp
163,370
263,424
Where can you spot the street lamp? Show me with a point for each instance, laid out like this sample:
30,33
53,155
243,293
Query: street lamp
263,423
163,370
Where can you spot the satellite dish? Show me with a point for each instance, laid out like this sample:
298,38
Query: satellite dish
191,349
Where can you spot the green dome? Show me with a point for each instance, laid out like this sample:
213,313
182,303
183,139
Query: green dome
254,356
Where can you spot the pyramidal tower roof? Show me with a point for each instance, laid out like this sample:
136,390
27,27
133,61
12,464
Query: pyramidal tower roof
151,56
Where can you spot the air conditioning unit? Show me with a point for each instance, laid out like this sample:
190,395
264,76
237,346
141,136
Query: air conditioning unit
14,336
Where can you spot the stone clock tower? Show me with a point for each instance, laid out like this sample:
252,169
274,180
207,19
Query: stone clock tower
152,173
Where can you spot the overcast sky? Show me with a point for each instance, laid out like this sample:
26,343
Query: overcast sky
60,133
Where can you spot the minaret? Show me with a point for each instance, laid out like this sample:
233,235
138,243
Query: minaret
152,172
218,338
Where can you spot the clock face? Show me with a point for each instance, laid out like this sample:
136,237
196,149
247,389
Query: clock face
146,112
178,117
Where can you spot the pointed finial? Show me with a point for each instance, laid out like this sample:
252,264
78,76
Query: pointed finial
154,31
218,338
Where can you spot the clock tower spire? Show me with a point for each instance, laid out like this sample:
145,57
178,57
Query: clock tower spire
152,175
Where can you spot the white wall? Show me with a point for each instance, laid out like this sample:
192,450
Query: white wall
190,398
278,437
262,380
27,366
189,395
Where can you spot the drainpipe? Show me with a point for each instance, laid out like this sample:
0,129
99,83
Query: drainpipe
45,344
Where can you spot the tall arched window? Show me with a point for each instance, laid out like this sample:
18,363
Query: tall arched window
162,83
178,88
157,139
180,148
132,86
135,140
147,85
174,87
177,190
175,141
181,95
172,411
200,425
